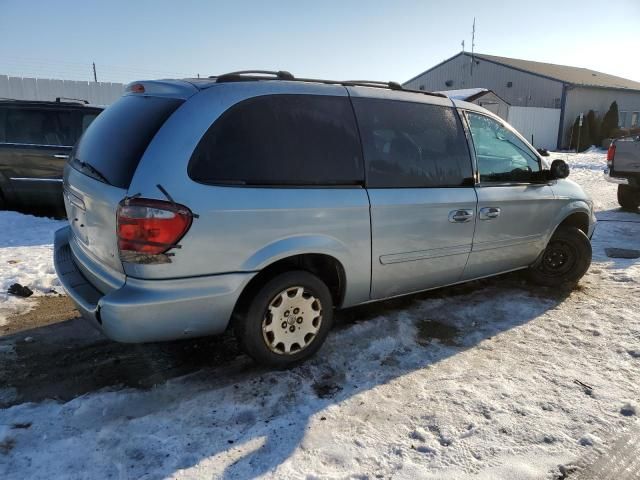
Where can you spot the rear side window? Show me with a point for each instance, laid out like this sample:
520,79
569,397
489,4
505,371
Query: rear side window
87,119
117,138
32,126
412,144
281,140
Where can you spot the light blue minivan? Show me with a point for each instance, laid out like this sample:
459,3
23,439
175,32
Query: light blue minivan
262,202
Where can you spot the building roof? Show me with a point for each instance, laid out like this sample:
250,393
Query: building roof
563,73
573,75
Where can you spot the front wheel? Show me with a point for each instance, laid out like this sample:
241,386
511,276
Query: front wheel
287,321
565,260
628,197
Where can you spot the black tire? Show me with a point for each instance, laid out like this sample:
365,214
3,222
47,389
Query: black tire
249,327
565,260
3,203
629,197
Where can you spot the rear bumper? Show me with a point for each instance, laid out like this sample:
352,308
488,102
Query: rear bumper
150,310
618,180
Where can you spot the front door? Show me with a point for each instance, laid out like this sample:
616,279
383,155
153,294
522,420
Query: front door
419,181
514,208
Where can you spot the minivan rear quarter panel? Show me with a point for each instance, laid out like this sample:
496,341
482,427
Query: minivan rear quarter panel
244,229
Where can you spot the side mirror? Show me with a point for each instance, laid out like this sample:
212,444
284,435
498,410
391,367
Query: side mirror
559,169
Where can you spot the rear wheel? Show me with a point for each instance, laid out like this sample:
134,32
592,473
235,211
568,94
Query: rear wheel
287,320
565,260
628,197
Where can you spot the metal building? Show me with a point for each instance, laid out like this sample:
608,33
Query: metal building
546,96
483,97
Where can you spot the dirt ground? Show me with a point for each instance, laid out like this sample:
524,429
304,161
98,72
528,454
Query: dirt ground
51,352
48,310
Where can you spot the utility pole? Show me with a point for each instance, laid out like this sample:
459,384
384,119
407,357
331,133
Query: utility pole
95,77
473,42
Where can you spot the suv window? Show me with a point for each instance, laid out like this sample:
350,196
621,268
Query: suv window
117,138
501,155
281,140
87,119
410,144
39,126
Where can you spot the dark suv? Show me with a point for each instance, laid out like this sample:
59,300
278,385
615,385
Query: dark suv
36,138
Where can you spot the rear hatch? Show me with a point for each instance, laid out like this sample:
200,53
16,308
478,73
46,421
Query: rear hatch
100,170
625,158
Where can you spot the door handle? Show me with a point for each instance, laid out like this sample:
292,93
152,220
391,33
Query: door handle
60,156
489,213
460,216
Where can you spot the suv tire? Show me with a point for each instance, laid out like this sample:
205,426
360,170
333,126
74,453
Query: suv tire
287,320
565,260
628,197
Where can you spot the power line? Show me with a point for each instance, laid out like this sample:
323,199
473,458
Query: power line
47,68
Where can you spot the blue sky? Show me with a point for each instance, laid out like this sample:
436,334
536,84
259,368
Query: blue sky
377,40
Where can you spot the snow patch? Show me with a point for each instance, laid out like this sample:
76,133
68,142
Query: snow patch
26,250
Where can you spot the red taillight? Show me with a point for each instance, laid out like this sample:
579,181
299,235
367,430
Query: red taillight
151,227
611,153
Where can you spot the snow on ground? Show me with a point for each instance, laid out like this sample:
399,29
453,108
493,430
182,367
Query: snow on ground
496,398
26,248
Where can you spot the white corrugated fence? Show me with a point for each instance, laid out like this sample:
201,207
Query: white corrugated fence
96,93
538,123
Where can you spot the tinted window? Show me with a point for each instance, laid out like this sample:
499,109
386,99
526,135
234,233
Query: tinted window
412,144
501,155
87,119
117,138
281,140
40,127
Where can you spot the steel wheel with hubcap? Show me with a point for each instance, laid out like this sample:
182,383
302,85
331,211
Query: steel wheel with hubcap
287,319
291,321
565,260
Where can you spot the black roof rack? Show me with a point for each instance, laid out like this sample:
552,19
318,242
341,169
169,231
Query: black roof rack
67,99
251,75
57,101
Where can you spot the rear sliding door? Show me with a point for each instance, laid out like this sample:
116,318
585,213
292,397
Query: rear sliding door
420,184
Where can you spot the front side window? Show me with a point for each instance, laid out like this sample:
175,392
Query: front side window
412,145
501,156
634,119
39,127
281,140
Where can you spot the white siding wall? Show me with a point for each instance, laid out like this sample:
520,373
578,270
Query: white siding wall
541,124
581,100
96,93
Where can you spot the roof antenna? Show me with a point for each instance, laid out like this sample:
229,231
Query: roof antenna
462,46
473,42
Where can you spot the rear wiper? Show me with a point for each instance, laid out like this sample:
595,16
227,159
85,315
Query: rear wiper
92,169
